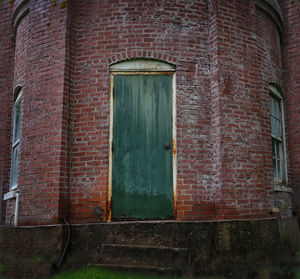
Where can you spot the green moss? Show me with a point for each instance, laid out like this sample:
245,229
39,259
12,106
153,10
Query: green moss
54,3
11,2
2,268
95,273
38,259
48,24
294,1
63,4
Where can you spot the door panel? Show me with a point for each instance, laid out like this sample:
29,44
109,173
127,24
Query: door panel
142,175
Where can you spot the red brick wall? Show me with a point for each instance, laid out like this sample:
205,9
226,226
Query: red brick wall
6,95
21,48
40,66
291,66
226,53
240,79
44,168
20,61
225,172
115,31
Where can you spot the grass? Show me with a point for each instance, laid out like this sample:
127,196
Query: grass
97,273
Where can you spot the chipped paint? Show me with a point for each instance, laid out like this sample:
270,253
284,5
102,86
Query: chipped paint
150,72
109,207
142,65
174,145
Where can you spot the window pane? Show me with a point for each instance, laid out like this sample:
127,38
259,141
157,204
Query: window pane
278,150
277,158
275,168
278,169
277,108
17,117
277,135
272,105
273,125
277,132
274,148
14,166
275,117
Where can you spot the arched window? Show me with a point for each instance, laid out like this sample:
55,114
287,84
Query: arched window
17,109
278,135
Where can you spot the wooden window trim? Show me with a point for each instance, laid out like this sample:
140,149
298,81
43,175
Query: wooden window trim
282,183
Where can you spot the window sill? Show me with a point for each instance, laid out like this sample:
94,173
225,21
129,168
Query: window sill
281,187
10,195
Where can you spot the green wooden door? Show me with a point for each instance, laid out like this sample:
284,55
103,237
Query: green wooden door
142,175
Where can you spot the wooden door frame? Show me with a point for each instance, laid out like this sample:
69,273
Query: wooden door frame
147,71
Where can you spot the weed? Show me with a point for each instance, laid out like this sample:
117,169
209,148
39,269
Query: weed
64,4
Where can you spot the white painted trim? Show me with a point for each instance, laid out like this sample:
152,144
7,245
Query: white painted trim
142,65
275,91
278,187
174,145
111,112
18,95
277,94
10,195
284,144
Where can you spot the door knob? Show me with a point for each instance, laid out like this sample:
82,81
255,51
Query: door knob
167,145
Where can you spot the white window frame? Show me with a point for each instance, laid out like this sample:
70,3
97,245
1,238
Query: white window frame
15,144
280,184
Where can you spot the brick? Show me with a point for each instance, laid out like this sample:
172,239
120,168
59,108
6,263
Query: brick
226,53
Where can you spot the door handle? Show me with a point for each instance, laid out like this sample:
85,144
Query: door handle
167,145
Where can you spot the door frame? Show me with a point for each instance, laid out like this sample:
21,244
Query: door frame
141,67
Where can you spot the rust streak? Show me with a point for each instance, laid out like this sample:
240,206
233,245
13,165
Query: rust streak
174,147
109,210
174,205
109,207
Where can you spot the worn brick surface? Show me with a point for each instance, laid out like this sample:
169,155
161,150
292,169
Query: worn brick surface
6,95
40,52
291,66
226,54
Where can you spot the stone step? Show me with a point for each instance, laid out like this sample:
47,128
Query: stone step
140,269
154,233
140,255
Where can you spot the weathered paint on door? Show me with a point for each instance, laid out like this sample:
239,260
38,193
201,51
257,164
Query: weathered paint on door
142,175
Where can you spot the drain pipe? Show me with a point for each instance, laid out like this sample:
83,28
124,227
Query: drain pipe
16,209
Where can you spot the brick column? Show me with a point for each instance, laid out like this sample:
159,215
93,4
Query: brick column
291,66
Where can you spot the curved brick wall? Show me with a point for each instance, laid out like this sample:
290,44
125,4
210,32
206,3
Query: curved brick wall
222,173
225,52
110,32
20,61
39,67
291,67
6,97
21,48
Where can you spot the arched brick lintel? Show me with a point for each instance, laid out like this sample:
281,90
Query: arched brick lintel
138,54
272,8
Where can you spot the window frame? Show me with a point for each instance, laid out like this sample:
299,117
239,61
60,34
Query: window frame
280,184
15,143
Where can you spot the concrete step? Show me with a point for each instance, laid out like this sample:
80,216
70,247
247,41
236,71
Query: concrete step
140,255
140,269
154,233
